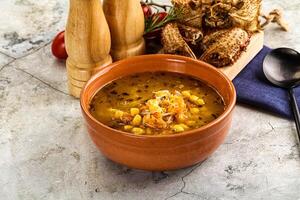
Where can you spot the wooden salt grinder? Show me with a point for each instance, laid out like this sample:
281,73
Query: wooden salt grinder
126,22
87,42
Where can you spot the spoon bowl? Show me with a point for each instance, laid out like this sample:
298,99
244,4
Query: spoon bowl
282,67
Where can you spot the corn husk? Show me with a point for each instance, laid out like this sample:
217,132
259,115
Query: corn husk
190,12
233,13
190,34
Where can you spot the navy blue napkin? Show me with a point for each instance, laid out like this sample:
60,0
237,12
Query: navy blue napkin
254,89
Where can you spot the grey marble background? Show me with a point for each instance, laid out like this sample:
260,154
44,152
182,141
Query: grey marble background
45,152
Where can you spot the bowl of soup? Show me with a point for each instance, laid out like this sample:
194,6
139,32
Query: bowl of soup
158,112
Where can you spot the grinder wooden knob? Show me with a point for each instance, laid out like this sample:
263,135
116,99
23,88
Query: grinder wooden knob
88,43
126,22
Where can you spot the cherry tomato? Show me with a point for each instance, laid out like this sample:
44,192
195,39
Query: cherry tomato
146,10
58,46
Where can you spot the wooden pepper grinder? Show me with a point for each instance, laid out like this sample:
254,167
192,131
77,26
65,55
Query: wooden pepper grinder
87,43
126,22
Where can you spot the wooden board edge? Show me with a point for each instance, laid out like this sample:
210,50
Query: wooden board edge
255,46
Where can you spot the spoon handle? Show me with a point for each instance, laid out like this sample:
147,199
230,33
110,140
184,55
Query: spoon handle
295,111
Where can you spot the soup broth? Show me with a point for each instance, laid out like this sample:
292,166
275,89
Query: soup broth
153,103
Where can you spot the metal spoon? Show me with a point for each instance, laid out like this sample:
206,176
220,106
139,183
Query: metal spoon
282,68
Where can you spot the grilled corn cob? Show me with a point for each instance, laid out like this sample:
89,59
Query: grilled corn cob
226,49
173,43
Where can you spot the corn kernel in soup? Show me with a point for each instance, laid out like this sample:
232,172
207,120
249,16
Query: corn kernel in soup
156,103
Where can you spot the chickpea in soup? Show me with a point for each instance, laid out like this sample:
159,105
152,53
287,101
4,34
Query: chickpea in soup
154,103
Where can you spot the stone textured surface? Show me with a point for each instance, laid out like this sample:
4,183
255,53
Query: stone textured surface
42,65
275,38
45,152
26,25
4,60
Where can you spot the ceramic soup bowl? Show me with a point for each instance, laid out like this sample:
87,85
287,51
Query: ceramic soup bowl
164,152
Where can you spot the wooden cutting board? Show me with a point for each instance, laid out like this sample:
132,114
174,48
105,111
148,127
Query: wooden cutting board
254,47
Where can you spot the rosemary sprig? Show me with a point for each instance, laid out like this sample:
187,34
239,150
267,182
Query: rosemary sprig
155,23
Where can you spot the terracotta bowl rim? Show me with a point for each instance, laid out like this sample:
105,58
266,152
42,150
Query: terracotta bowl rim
227,111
